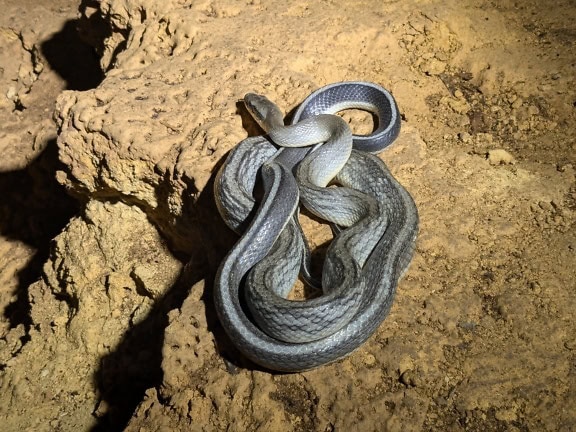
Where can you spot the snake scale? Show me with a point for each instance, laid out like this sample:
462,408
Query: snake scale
375,220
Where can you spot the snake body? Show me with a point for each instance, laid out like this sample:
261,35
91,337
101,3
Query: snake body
365,260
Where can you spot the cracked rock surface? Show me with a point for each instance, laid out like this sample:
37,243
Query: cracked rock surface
115,118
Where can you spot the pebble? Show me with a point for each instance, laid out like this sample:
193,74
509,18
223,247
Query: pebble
506,414
405,363
434,67
517,103
409,378
533,110
500,157
11,92
465,137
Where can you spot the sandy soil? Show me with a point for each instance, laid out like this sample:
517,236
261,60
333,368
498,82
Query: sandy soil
110,238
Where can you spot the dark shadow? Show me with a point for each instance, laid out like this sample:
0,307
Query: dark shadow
73,59
34,209
135,365
93,29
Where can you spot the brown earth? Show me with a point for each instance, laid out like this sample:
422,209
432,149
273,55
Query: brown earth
110,238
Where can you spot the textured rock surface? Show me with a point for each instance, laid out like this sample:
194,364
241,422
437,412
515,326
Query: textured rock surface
92,294
118,333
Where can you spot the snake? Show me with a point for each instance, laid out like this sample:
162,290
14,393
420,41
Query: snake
376,219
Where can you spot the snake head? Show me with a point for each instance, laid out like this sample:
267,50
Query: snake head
264,111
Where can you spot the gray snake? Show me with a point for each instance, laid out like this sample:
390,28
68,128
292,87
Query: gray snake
377,226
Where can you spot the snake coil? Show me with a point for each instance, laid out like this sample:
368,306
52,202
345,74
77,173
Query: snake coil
376,216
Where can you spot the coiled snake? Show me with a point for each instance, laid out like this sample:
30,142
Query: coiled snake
376,220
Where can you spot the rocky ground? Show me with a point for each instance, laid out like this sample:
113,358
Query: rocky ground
114,122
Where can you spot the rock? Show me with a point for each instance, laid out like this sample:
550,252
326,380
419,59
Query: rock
86,304
433,66
500,157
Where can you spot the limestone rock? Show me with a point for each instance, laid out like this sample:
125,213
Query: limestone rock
88,301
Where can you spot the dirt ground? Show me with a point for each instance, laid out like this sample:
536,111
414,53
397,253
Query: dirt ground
115,117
